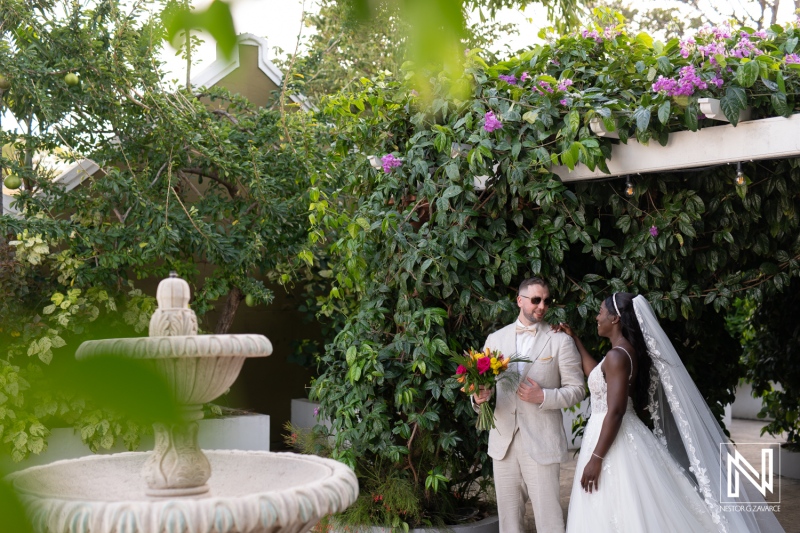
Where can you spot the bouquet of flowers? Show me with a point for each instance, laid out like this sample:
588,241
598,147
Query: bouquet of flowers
482,370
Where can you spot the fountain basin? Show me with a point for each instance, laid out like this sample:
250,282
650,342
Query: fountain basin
249,492
199,368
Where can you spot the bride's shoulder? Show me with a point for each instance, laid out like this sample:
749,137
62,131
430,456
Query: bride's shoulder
616,360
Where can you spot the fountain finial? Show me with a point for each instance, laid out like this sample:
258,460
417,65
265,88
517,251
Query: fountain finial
173,316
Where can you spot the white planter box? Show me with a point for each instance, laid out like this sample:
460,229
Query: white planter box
248,432
304,414
789,464
745,406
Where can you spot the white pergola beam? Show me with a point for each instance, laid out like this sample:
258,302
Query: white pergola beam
768,138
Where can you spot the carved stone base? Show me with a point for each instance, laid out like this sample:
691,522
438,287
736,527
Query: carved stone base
177,466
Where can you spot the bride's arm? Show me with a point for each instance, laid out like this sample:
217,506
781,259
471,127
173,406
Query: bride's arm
616,368
587,361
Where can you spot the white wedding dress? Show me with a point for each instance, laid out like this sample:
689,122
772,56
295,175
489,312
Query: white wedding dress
642,489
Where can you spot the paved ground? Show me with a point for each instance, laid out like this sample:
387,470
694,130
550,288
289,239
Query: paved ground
743,431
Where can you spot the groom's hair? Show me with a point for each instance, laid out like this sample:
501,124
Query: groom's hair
532,281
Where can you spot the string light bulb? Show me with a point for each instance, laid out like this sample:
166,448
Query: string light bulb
739,175
629,190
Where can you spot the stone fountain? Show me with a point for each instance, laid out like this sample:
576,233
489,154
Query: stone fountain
179,488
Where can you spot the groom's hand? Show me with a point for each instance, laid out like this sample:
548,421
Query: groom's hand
483,395
530,392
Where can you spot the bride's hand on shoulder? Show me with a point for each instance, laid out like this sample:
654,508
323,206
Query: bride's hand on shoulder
563,327
591,474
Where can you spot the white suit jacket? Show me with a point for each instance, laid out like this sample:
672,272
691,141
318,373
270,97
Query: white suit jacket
556,366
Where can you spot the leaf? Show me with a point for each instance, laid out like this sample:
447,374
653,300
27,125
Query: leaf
747,73
642,118
779,104
734,101
216,19
574,121
664,111
350,355
571,155
690,118
664,65
530,117
451,191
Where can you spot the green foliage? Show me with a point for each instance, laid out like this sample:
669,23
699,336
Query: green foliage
425,263
770,358
204,184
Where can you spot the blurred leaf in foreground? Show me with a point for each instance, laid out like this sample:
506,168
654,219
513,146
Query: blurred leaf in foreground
216,19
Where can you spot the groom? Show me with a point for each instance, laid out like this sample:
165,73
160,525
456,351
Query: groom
529,442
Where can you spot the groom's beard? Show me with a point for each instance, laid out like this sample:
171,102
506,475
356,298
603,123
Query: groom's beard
532,318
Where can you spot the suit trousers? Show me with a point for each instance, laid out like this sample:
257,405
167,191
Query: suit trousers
519,478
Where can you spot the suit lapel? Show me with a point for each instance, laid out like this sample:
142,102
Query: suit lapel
539,345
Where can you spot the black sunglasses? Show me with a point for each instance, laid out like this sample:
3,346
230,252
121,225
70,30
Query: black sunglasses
536,300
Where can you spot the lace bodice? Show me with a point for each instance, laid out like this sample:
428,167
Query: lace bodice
599,390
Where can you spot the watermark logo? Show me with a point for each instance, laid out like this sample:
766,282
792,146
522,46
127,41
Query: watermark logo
742,481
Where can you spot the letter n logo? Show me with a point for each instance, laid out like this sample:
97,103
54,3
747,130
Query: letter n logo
737,469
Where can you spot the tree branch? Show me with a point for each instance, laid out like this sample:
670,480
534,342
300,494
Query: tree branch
233,190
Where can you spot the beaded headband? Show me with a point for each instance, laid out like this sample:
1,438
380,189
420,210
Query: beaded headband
614,299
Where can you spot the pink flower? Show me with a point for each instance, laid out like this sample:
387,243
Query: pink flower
687,46
792,58
461,370
316,411
390,162
563,102
564,84
483,364
654,231
685,85
543,85
491,122
586,34
525,77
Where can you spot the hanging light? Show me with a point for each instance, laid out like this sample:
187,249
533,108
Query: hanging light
629,190
739,181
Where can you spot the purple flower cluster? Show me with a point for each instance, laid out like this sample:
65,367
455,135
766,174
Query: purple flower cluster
711,49
687,47
543,86
745,48
525,77
564,84
491,122
609,32
564,102
654,231
390,162
586,34
510,79
717,32
792,58
685,85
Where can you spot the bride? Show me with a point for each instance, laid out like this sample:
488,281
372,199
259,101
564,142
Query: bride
631,479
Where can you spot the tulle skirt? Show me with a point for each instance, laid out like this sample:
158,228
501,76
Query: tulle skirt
642,489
